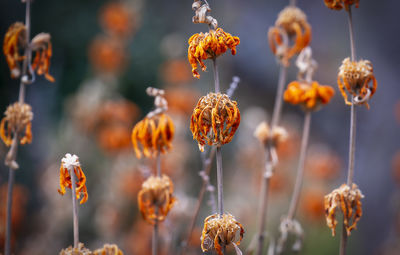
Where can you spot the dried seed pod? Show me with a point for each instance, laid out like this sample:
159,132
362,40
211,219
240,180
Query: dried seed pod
155,135
81,250
108,249
356,77
15,42
214,120
338,4
70,165
41,45
264,135
309,96
17,120
208,46
293,227
349,201
220,231
291,23
155,198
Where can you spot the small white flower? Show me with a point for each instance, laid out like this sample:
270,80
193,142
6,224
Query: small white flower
70,161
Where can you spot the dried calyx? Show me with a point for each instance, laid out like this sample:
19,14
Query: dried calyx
267,136
80,250
339,4
290,227
201,10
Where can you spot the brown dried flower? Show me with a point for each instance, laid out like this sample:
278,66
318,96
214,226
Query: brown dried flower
209,46
15,42
264,135
81,250
108,249
338,4
349,201
155,135
291,23
17,120
355,77
309,96
214,120
220,231
41,45
156,198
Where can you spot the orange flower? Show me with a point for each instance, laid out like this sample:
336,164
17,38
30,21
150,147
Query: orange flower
107,55
355,77
214,120
68,164
154,133
349,201
41,44
291,22
117,19
156,198
15,42
220,231
208,46
176,71
338,4
108,249
17,118
310,97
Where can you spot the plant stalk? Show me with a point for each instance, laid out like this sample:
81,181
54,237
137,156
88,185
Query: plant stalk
155,229
11,177
74,210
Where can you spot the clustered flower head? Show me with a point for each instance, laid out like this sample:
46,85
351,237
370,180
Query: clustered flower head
17,121
309,96
267,136
108,249
14,45
209,46
338,4
70,165
349,201
291,23
214,120
80,250
220,231
156,198
356,77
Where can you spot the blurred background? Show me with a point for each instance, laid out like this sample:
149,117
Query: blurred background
106,53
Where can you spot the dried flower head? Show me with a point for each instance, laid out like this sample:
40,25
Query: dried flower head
118,19
71,163
309,96
214,120
15,42
291,23
107,55
293,227
17,121
349,201
338,4
155,135
220,231
209,46
108,249
355,77
155,198
264,135
41,45
81,250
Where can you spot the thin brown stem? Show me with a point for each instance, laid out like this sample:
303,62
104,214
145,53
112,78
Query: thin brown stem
11,177
292,2
352,44
74,210
220,187
154,243
300,167
270,164
216,76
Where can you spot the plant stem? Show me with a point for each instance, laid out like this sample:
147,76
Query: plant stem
352,143
11,176
74,210
292,2
269,165
155,229
220,182
216,76
300,167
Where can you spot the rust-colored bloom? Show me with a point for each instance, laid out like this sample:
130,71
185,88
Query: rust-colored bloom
291,23
220,231
214,120
41,45
155,135
17,120
309,96
156,198
108,249
15,42
208,46
355,77
71,163
338,4
107,55
264,134
118,19
349,201
81,250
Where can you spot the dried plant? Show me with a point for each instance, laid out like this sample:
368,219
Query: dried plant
108,249
80,250
338,4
